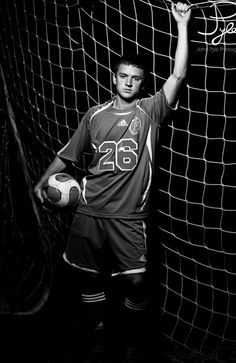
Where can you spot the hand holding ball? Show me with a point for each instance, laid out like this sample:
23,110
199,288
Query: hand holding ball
61,190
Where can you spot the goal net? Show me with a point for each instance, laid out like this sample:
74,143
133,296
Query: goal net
56,60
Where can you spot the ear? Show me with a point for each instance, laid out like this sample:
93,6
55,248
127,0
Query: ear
144,84
114,78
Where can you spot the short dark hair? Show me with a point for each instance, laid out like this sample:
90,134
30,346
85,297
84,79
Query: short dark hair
133,59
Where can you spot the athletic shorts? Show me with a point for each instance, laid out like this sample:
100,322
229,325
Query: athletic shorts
106,245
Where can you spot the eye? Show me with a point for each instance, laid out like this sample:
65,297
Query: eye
137,79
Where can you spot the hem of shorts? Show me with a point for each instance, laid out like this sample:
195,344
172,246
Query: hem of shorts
113,274
79,267
127,272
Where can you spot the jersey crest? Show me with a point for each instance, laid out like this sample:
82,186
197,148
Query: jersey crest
135,125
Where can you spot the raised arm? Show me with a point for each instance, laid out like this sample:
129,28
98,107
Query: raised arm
181,13
56,166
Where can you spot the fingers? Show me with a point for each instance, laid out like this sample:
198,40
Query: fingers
181,11
40,197
181,8
38,194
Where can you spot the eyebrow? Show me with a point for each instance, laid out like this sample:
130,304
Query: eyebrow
133,76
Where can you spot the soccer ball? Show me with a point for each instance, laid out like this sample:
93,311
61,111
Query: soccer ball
61,190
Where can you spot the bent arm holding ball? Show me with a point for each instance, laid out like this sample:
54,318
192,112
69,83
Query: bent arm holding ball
56,166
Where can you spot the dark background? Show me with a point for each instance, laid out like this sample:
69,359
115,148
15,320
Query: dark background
56,62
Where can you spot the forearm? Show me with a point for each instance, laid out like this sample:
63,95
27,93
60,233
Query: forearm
181,54
56,166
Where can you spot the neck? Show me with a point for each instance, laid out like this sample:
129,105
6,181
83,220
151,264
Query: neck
121,104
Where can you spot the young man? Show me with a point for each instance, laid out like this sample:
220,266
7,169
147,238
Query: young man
108,233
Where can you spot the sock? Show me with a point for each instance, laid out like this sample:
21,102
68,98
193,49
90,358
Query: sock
136,328
94,308
113,331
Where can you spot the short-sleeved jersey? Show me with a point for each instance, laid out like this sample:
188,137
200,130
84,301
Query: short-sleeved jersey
123,144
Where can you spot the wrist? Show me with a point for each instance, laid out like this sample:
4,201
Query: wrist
181,25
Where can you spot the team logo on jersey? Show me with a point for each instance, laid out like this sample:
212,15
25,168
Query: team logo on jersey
143,259
122,123
135,126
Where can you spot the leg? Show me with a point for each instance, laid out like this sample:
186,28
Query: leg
115,344
93,298
127,239
135,319
126,323
85,252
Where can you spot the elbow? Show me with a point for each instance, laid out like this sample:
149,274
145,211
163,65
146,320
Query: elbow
180,76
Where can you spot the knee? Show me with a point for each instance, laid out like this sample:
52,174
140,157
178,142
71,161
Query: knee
135,280
135,292
90,281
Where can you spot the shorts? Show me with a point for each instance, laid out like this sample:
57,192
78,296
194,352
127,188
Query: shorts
106,245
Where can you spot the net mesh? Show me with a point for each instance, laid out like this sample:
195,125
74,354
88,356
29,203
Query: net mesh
56,61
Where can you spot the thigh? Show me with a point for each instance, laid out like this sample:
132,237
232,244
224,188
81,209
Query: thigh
127,239
85,246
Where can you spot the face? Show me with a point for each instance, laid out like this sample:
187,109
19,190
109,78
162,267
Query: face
129,81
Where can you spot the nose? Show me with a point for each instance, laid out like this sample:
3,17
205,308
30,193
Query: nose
129,81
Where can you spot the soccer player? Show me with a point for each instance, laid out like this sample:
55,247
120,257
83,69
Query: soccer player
108,235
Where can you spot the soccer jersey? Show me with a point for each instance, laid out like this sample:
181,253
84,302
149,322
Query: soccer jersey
123,144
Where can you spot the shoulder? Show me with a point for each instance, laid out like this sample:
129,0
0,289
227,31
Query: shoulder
94,110
152,98
155,100
156,106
